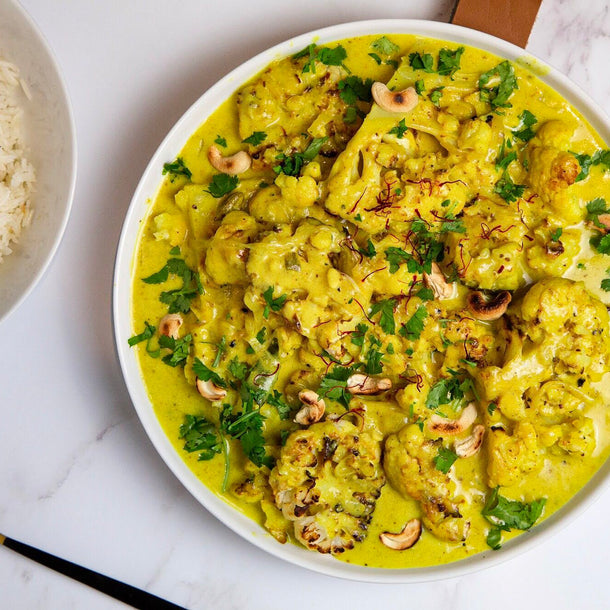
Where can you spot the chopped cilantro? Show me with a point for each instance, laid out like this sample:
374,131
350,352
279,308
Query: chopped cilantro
220,141
147,334
177,168
291,165
491,408
256,138
445,459
325,55
601,157
369,251
505,514
386,319
556,234
494,538
334,384
601,243
425,294
205,374
353,88
357,337
222,184
605,285
273,304
385,46
200,435
506,155
528,120
507,189
397,256
449,61
498,94
180,349
399,130
221,347
238,369
247,427
390,349
260,335
414,326
423,62
376,58
275,400
419,87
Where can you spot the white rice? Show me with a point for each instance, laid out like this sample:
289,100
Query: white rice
16,173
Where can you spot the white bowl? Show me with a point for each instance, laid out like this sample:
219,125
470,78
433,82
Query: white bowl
50,138
147,189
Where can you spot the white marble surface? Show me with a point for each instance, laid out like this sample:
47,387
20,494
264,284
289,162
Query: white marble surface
78,476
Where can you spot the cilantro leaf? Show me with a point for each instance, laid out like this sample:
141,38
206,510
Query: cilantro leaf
419,87
222,184
200,435
446,390
397,256
275,400
357,337
205,374
449,61
256,138
148,333
291,165
369,251
601,243
353,88
180,349
220,141
386,319
385,46
494,538
334,384
528,120
506,157
260,335
414,326
399,130
445,459
497,95
273,304
507,189
376,58
332,57
506,514
423,62
435,95
556,234
238,369
373,365
247,427
177,168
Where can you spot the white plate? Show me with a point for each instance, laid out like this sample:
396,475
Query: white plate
147,189
50,137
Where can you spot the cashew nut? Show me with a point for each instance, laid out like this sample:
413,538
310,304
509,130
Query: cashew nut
436,280
360,383
235,164
449,427
170,324
208,389
470,446
488,310
394,101
405,539
313,409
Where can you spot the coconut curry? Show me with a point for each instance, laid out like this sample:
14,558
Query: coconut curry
369,300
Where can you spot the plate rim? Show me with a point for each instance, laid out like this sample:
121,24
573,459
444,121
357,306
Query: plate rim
194,116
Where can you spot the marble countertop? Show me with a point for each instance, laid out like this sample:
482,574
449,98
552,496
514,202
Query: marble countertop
78,475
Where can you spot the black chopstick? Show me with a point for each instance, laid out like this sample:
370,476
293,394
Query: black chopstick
114,588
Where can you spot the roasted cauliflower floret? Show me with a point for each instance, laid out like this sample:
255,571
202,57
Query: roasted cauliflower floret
512,455
569,326
409,466
326,481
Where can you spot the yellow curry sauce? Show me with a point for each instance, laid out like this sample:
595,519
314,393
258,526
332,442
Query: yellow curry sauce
354,245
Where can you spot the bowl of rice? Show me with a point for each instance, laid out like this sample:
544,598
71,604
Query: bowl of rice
37,156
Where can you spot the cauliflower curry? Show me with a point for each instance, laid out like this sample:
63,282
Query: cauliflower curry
370,300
